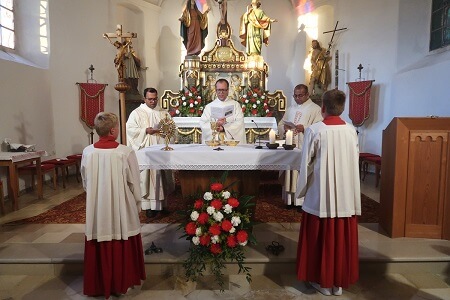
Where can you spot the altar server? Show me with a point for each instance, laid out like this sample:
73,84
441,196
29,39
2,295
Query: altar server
113,255
233,125
327,254
299,116
143,131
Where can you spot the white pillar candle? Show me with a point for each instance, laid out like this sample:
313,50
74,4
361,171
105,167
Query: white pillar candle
289,138
272,136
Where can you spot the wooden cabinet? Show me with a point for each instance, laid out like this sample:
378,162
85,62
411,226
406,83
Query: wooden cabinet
415,180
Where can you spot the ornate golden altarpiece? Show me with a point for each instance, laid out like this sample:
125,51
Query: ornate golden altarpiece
224,61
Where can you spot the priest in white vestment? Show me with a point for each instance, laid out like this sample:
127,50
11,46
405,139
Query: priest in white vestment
142,131
233,125
299,116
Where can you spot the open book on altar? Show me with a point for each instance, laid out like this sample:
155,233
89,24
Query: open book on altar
219,112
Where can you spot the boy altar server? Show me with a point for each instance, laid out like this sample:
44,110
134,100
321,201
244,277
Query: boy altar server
327,254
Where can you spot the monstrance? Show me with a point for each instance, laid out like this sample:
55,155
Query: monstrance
167,129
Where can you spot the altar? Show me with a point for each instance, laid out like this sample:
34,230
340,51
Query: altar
243,161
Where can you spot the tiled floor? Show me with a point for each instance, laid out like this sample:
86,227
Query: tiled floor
45,261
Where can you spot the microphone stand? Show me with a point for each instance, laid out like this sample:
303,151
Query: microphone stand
259,136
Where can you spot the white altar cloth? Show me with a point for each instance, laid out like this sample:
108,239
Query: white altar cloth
203,157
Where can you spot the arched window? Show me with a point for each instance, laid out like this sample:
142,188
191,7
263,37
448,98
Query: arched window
7,33
440,24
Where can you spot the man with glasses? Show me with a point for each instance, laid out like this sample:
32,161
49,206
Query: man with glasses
299,116
233,125
142,131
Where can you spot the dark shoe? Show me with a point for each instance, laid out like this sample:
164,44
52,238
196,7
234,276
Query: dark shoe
151,213
288,206
299,208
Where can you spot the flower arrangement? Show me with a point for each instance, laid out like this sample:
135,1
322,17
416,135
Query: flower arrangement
218,226
254,103
190,103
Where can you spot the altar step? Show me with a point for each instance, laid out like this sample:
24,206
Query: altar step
378,253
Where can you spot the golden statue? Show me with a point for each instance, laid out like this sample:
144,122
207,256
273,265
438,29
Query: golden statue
320,69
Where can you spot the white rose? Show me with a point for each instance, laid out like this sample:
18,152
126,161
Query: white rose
191,105
218,216
228,209
190,94
245,96
235,221
263,97
177,112
243,244
254,106
196,240
194,215
184,103
198,231
246,101
226,195
198,97
232,230
195,102
258,102
183,98
255,95
208,196
215,239
210,210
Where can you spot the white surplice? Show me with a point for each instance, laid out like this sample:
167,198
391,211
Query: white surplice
306,114
329,171
234,128
113,195
139,120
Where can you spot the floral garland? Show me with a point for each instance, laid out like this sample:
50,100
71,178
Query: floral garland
190,103
254,103
218,226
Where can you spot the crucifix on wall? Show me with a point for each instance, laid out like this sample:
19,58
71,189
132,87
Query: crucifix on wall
121,44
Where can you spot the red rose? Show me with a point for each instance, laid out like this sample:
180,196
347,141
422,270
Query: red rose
217,204
243,109
198,204
253,100
233,202
203,218
215,249
226,225
186,93
216,187
193,89
254,111
172,113
205,239
192,110
191,101
231,241
214,229
242,236
190,228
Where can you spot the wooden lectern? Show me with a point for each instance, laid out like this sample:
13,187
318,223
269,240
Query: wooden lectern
415,181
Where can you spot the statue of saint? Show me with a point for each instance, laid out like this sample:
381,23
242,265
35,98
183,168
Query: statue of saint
193,28
235,87
255,28
210,88
320,69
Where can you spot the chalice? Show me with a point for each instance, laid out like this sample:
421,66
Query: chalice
213,141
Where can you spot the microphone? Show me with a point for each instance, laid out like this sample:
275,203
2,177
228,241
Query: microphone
259,143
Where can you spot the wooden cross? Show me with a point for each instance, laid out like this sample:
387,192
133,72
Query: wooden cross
123,40
336,78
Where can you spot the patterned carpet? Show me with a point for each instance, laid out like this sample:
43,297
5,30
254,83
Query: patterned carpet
269,208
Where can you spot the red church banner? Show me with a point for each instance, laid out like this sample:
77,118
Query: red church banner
91,101
359,105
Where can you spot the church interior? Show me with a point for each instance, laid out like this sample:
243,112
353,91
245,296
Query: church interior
61,43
